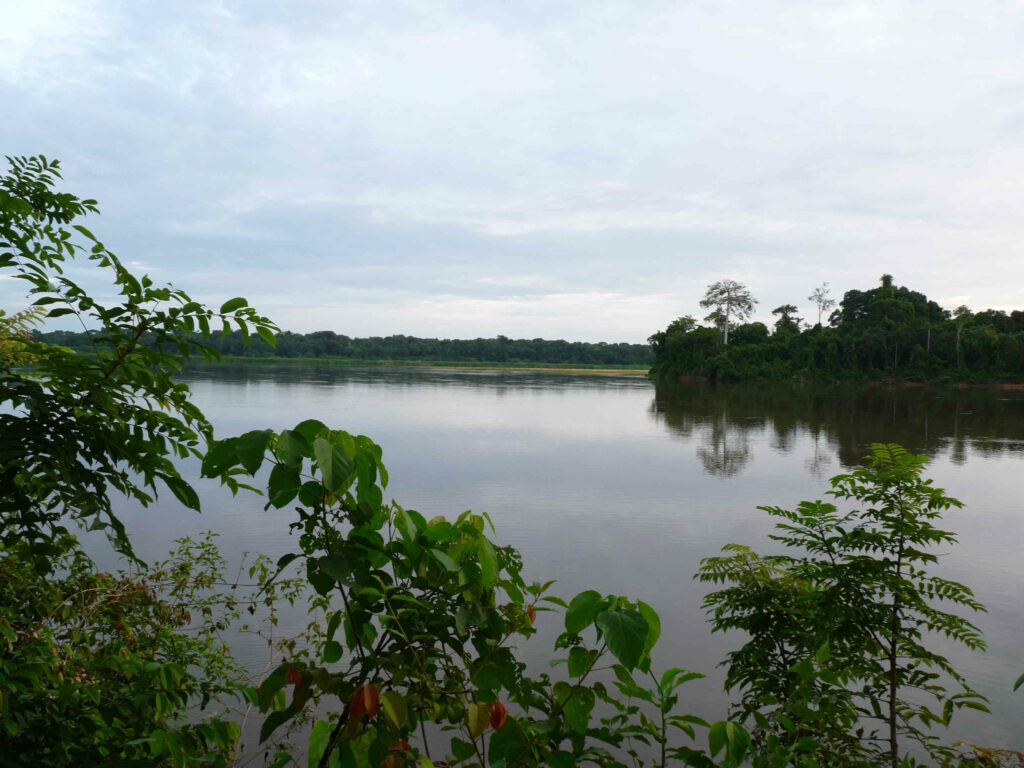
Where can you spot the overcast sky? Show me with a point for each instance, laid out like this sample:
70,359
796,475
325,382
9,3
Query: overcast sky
565,170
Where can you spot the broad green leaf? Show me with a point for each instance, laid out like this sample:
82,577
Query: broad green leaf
360,747
275,720
478,718
505,744
232,304
395,708
577,703
338,566
332,652
462,750
184,492
335,467
221,456
625,632
318,739
310,429
653,626
579,661
283,486
292,447
273,683
582,610
250,447
445,560
717,737
267,335
488,561
823,653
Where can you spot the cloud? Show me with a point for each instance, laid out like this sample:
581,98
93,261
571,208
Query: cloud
483,163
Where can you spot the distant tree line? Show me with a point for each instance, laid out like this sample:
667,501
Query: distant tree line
328,344
886,332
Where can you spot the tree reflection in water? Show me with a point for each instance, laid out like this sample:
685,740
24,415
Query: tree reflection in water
841,421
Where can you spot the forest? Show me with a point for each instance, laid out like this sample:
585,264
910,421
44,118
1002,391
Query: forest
886,332
330,345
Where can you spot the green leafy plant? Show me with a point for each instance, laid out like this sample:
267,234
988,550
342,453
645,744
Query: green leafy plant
105,668
78,427
857,598
416,621
99,669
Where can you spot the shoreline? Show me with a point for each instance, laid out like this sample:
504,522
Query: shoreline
343,362
1002,386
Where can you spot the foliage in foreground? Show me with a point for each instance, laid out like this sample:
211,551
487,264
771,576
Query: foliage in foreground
856,595
416,624
98,667
412,653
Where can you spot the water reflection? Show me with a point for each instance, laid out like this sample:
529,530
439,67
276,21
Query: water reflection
840,421
499,382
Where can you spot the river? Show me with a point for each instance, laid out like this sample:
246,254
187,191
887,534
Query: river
615,484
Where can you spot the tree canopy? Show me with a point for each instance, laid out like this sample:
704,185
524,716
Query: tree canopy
729,302
886,331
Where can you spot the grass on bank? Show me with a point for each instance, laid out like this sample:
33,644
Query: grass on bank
595,368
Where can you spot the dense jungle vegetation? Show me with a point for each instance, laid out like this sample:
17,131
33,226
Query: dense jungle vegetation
410,656
887,332
321,345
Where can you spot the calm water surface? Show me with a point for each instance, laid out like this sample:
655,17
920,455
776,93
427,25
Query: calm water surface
614,484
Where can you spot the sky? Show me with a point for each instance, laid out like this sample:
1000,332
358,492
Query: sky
535,169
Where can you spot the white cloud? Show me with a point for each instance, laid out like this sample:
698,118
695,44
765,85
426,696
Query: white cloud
481,157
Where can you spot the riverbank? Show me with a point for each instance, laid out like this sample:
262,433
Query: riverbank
573,368
909,383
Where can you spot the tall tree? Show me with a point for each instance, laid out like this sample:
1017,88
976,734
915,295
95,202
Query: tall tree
962,315
728,299
822,298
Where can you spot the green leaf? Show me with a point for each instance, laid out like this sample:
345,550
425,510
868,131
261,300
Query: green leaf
579,661
251,447
823,653
478,717
577,703
488,561
625,632
561,759
395,708
653,626
717,737
310,429
232,304
291,447
332,652
273,683
445,560
582,610
184,492
338,566
1019,683
267,335
335,467
462,750
318,740
505,744
283,486
220,457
